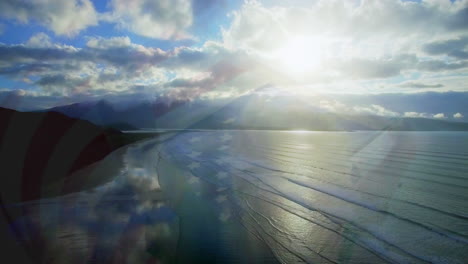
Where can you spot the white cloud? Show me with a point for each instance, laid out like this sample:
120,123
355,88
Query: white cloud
155,19
333,106
415,114
358,24
63,17
458,115
439,116
105,43
375,110
39,40
350,40
255,27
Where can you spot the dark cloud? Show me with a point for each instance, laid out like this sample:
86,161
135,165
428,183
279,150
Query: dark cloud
60,80
454,47
116,56
420,85
371,69
25,69
458,21
22,53
57,83
438,65
125,56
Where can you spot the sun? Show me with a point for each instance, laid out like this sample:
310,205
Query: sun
300,54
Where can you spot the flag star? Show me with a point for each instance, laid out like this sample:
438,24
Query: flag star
194,165
221,198
225,216
195,139
193,180
226,137
194,154
221,175
223,147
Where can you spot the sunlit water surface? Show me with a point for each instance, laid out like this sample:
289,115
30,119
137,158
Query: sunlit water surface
265,197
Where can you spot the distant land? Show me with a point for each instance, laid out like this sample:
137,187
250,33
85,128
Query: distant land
245,112
39,149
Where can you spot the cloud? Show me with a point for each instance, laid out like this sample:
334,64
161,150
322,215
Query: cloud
118,64
119,51
339,107
439,65
333,106
367,20
106,43
56,83
420,102
375,110
62,17
39,40
154,19
220,74
459,19
420,85
415,114
360,51
361,44
426,115
409,105
370,69
113,63
452,47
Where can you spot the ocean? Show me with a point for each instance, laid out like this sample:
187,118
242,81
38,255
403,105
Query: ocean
267,197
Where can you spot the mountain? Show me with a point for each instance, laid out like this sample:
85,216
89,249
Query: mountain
289,113
139,115
40,148
98,112
246,112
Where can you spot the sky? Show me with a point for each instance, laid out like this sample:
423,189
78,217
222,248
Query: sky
55,52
